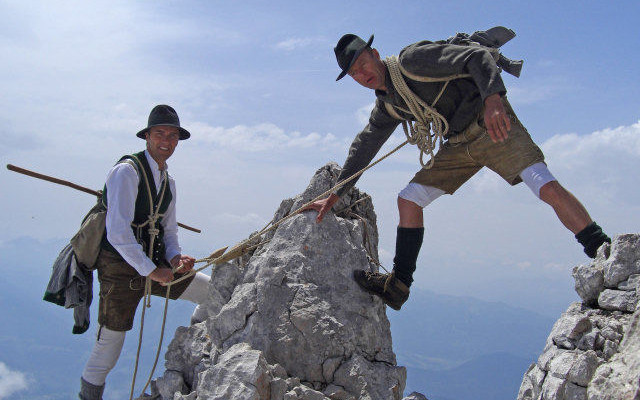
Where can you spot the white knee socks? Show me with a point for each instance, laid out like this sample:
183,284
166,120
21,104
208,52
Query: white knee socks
104,356
197,292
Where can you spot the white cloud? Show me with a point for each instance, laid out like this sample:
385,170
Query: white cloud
249,221
600,165
600,147
533,92
261,137
362,114
298,43
11,381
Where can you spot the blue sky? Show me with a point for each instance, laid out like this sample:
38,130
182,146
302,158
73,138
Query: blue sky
255,84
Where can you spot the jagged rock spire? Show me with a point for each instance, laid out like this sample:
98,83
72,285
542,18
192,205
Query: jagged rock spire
288,321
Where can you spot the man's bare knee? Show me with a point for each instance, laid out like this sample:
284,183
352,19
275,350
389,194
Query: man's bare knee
410,214
552,192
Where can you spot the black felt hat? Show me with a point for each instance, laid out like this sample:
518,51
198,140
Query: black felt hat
164,115
347,51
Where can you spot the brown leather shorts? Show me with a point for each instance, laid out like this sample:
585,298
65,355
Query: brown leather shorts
122,287
454,164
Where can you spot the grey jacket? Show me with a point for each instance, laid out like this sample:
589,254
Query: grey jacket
461,102
71,286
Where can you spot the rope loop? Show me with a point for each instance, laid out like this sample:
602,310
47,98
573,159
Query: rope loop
430,127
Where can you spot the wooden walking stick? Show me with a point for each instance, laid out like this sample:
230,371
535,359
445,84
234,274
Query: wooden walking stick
62,182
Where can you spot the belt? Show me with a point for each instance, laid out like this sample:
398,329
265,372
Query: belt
465,136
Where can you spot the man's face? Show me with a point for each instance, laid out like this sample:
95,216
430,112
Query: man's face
368,70
161,142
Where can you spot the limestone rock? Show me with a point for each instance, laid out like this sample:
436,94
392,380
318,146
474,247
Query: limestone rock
532,383
620,377
593,350
623,261
589,282
621,300
287,321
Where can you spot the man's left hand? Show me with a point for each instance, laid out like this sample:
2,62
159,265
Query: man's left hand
496,118
186,261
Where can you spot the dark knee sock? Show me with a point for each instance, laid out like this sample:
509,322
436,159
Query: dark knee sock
591,238
408,243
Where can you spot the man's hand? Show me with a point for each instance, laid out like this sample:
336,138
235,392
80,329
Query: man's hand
161,275
186,261
496,118
323,206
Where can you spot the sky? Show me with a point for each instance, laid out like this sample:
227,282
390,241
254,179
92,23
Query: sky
254,82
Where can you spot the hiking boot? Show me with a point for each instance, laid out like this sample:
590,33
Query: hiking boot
89,391
372,282
386,286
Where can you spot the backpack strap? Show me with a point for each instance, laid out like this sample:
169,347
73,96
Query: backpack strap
421,78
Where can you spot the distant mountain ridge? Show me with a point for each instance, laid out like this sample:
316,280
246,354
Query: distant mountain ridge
484,347
471,328
491,376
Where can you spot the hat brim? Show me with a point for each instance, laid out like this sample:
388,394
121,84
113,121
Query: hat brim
355,57
184,134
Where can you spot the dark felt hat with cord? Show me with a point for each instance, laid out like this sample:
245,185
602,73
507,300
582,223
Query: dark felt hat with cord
347,51
164,115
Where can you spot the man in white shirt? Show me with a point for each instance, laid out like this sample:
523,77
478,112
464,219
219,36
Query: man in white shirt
140,242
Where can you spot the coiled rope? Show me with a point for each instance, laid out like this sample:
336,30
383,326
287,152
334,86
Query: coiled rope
430,127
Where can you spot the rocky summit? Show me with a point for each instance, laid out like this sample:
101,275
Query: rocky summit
593,350
287,321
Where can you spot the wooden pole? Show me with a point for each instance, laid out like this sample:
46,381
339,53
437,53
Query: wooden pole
62,182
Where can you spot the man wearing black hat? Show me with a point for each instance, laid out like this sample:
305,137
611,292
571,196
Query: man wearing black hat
140,241
455,91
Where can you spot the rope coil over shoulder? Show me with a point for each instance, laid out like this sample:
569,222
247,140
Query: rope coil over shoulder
430,127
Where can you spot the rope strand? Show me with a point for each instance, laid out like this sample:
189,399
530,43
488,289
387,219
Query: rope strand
430,126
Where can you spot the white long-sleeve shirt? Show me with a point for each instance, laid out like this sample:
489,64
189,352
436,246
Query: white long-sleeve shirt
122,191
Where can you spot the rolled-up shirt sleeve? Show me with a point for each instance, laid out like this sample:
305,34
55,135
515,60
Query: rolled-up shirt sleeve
122,190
